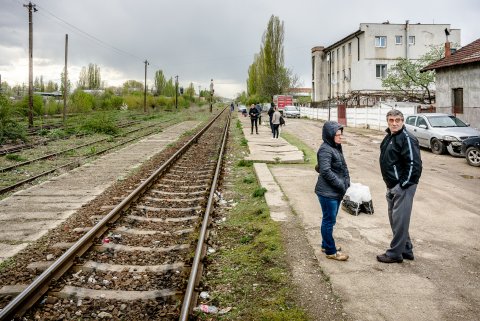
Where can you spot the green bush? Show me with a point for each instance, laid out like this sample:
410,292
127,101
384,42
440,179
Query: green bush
81,102
53,107
9,128
100,123
22,106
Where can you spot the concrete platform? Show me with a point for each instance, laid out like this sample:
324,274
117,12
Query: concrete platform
264,148
29,214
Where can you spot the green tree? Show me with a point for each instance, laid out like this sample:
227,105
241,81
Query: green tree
9,128
190,92
51,86
89,77
169,88
132,86
404,78
160,82
69,84
267,75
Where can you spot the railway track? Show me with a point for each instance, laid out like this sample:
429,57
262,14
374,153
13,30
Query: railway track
142,258
29,171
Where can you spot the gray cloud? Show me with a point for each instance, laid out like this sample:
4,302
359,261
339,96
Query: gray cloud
197,40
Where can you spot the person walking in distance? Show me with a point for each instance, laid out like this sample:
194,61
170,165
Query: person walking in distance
270,115
253,112
259,108
401,167
332,183
276,122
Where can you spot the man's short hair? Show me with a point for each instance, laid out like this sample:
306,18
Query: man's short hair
394,113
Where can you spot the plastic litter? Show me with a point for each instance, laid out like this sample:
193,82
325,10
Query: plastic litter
358,200
206,308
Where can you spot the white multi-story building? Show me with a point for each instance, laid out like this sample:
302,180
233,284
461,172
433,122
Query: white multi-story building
359,61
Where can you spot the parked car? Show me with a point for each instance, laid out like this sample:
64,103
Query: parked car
242,108
440,132
291,111
471,150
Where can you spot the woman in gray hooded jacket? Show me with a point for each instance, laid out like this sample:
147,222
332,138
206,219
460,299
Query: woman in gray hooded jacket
333,181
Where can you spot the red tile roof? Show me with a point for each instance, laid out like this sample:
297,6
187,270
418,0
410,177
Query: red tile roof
465,55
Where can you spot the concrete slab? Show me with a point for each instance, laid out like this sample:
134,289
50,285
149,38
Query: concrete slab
27,215
279,207
264,148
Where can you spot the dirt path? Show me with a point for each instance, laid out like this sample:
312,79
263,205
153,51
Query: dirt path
443,283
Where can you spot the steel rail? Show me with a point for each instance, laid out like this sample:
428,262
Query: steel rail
74,163
194,273
23,301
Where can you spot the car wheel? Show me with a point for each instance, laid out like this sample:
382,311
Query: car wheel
438,147
473,156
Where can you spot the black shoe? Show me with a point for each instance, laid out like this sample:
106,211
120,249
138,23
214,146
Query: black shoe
384,258
408,256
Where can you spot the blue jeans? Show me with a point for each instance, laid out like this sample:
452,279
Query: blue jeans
330,208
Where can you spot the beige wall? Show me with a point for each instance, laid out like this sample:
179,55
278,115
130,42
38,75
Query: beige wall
466,77
363,69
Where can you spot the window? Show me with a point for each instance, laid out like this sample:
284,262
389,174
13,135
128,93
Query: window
411,120
349,74
338,54
411,40
343,51
344,75
422,121
458,100
381,41
381,71
398,40
349,48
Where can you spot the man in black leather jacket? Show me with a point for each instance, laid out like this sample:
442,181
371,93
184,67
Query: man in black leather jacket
401,166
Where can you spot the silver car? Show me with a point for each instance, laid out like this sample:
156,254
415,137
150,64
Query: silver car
440,132
291,111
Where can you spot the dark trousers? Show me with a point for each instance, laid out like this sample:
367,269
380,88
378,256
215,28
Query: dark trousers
275,130
253,120
271,124
400,202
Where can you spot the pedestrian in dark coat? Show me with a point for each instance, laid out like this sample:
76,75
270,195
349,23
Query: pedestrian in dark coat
253,112
401,167
270,114
332,183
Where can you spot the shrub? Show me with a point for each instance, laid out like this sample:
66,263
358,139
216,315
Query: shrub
81,102
100,123
9,128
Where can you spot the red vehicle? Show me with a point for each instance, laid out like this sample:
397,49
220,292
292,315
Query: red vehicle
282,100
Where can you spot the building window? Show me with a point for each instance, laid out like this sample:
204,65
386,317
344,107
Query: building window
411,40
398,40
349,48
381,41
332,55
338,54
381,71
458,100
349,74
344,75
343,51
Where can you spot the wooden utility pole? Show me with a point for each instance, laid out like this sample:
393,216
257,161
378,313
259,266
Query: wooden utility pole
176,92
65,81
30,6
145,91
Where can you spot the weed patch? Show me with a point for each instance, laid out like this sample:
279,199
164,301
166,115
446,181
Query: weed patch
15,158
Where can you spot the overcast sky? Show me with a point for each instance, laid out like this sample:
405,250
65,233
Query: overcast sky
196,40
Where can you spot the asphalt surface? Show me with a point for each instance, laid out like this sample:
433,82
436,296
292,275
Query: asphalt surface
443,282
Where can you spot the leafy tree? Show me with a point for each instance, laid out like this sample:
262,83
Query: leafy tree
267,75
90,78
160,82
404,77
132,86
38,84
169,88
190,92
51,86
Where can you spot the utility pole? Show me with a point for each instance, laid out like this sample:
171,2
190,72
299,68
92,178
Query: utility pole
30,6
211,95
145,91
65,81
176,92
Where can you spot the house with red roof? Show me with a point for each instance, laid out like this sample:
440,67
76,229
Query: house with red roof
457,82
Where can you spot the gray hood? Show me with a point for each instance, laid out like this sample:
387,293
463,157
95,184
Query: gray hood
330,128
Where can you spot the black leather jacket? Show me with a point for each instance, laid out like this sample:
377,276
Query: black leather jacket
400,160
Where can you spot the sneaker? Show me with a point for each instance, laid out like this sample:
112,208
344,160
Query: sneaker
338,256
339,248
